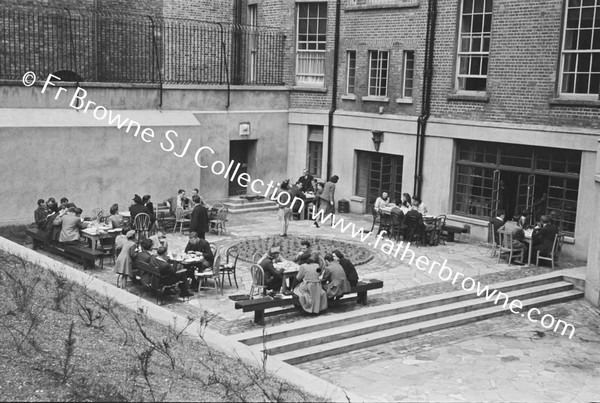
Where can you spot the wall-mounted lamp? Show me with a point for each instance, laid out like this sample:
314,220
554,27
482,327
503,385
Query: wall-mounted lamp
377,139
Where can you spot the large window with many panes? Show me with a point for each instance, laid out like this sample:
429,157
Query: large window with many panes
311,42
580,64
474,45
549,177
378,72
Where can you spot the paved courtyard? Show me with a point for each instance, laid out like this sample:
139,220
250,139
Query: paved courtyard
501,359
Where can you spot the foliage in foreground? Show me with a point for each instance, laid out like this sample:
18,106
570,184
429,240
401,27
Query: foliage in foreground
60,341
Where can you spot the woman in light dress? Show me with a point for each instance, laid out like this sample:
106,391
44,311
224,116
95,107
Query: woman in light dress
124,262
313,299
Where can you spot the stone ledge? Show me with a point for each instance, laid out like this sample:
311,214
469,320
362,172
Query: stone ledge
352,5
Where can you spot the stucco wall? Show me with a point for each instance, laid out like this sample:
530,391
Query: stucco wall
56,151
592,278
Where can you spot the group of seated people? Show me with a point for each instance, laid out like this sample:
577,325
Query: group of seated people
129,253
542,236
318,279
61,222
406,210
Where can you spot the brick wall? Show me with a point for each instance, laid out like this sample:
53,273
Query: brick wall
523,67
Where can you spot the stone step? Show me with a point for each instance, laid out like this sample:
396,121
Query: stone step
372,325
329,321
396,333
239,206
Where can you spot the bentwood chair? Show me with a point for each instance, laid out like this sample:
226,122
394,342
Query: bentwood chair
230,265
97,214
211,274
413,230
256,257
258,280
376,218
396,225
180,219
141,224
555,254
218,223
506,246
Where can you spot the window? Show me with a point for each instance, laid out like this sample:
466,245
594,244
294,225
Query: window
409,71
315,150
311,43
377,172
252,42
539,179
351,71
378,73
474,45
580,64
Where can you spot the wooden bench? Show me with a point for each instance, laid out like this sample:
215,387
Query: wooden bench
80,252
260,304
450,230
150,277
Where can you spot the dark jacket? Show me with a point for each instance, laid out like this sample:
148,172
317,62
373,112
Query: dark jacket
270,270
543,238
136,209
350,271
199,219
165,269
296,192
204,247
40,215
306,182
496,224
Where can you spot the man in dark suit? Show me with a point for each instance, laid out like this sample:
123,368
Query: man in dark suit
497,223
273,276
306,180
145,255
41,214
199,218
166,269
543,236
296,191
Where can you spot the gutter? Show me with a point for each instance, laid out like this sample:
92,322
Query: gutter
336,51
426,97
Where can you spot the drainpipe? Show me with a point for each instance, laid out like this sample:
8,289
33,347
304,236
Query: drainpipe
426,96
336,51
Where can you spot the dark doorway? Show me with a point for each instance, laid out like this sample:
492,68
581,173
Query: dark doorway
377,172
240,152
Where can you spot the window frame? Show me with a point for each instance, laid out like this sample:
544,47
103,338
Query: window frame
316,56
470,54
565,52
350,53
379,77
406,53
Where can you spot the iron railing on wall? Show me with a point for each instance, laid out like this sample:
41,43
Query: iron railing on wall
100,47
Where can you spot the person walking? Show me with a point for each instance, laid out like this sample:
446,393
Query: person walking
328,198
284,199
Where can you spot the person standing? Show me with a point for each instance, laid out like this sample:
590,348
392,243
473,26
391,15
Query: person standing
284,199
124,262
328,197
199,218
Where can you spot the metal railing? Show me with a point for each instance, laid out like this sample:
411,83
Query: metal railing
83,46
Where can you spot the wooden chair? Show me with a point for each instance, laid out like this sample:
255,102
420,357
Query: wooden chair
180,219
555,254
211,274
506,246
141,225
230,265
106,244
414,233
396,225
376,218
440,221
258,280
492,239
219,221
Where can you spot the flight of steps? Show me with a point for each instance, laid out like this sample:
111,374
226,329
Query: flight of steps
334,334
235,205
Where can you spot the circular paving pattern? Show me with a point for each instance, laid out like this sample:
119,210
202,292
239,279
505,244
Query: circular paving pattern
290,245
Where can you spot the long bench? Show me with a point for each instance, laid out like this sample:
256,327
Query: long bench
80,252
259,305
450,230
150,277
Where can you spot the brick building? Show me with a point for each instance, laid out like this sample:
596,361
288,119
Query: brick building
511,120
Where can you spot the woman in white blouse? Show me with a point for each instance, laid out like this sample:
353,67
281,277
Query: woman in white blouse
382,201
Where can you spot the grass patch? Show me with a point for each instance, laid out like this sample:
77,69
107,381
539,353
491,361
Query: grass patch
62,342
